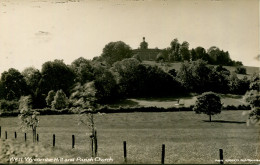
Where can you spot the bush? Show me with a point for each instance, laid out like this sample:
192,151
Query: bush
239,107
240,70
60,100
8,106
49,99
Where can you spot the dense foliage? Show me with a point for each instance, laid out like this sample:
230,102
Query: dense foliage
116,51
181,52
116,74
28,117
13,85
208,103
60,100
252,96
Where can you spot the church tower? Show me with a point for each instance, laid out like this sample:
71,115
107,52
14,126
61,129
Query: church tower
143,45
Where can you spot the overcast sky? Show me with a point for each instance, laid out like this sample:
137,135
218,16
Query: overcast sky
35,31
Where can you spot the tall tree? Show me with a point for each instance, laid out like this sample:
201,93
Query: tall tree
55,76
175,50
202,54
83,69
84,99
194,76
219,79
32,77
184,51
116,51
105,84
13,84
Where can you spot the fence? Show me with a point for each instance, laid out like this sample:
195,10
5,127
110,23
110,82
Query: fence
221,158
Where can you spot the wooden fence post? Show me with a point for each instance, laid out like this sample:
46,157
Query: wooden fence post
96,145
53,140
125,154
221,156
73,141
15,135
5,134
163,153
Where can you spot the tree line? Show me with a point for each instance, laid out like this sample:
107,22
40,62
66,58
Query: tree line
181,52
115,74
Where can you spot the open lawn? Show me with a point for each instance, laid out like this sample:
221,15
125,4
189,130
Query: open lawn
188,137
167,102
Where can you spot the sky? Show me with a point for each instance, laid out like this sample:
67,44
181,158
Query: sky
36,31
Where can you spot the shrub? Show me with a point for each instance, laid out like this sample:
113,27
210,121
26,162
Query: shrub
49,99
240,70
60,100
8,106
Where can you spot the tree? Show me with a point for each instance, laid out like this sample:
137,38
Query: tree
200,53
116,51
83,70
105,84
32,77
55,76
184,51
138,80
13,85
60,100
219,57
175,50
28,117
255,82
128,76
193,55
252,96
49,99
214,52
194,76
83,99
208,103
219,79
238,86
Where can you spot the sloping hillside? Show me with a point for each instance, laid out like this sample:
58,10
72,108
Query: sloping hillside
168,66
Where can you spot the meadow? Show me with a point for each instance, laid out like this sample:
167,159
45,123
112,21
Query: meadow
167,102
188,137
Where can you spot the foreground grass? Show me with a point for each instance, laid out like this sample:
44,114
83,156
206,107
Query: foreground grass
189,138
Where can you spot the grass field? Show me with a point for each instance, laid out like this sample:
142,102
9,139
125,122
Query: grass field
167,102
188,138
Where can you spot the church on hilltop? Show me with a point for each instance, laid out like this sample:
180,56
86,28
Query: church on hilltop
145,53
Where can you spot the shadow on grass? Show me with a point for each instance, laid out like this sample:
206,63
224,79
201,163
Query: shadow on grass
224,121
